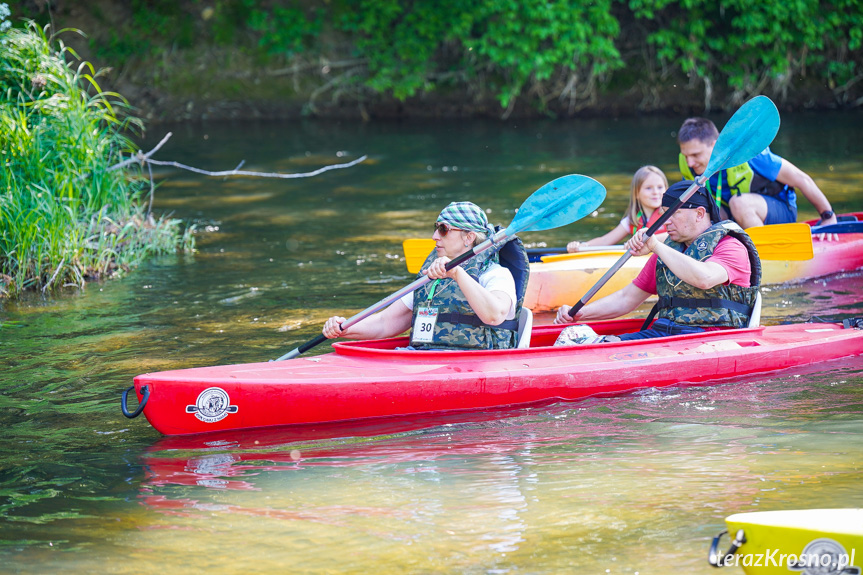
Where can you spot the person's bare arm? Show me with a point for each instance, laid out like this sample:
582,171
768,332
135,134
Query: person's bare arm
611,306
491,307
791,175
703,275
390,322
617,234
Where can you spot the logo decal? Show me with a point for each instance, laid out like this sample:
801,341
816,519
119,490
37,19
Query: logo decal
825,557
212,405
631,356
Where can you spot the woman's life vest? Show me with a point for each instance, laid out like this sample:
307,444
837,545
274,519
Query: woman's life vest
722,305
458,326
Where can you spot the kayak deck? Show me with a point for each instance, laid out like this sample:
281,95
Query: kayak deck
373,379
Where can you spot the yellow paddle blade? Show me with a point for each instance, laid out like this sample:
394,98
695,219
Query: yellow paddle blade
416,252
792,242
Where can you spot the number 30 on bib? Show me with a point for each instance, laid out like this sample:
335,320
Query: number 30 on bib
423,329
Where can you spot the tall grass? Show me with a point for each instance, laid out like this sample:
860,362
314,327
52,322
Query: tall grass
64,216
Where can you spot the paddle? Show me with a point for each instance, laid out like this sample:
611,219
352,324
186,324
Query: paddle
789,242
558,203
840,228
783,242
749,131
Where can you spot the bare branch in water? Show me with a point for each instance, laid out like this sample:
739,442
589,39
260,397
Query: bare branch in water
238,172
143,158
53,277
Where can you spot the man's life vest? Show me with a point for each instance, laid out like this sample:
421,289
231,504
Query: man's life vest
722,305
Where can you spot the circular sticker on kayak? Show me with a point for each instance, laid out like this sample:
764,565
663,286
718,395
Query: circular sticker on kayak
824,557
212,405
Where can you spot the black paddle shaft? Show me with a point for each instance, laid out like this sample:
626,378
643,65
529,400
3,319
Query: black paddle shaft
625,257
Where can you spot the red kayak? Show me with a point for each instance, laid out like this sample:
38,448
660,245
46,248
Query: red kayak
373,379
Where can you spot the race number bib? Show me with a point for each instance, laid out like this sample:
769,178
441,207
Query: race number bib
423,330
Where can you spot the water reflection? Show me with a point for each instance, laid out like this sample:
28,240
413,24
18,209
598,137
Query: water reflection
627,484
833,297
637,483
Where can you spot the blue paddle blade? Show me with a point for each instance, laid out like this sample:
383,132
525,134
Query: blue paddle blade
558,203
748,133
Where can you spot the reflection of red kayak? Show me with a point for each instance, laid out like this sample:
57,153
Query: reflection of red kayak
562,282
372,379
227,460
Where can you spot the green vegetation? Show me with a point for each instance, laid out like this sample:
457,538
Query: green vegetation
65,215
61,132
556,57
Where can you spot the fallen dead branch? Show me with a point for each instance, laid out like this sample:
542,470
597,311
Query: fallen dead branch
142,159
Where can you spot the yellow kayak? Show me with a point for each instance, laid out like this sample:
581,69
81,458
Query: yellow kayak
562,280
810,542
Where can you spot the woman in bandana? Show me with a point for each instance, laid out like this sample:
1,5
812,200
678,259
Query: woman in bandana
472,306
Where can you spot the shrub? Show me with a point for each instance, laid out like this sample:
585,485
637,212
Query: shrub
65,216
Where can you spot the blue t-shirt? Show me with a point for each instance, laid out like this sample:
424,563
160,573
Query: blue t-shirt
767,165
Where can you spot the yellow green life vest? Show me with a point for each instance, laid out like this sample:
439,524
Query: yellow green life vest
740,179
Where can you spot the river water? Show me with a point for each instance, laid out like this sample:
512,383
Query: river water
631,484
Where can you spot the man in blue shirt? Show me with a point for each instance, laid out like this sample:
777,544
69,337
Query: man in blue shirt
759,192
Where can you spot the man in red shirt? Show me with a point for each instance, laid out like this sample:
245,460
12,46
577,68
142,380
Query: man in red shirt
706,273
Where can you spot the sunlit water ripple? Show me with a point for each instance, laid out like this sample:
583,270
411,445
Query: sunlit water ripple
636,483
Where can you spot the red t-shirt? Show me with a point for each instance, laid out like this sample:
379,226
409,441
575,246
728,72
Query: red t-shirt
729,253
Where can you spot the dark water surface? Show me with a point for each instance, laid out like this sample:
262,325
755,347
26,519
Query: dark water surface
633,484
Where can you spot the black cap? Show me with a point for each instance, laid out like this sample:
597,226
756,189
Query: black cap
700,199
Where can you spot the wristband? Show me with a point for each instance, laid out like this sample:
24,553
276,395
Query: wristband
827,214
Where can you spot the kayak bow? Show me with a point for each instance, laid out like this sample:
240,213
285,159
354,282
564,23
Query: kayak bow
811,541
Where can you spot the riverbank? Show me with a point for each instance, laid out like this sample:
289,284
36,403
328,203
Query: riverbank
245,59
165,107
71,208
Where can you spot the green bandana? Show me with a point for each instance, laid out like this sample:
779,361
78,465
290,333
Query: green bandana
466,216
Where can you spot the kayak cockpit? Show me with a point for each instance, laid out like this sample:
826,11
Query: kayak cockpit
542,340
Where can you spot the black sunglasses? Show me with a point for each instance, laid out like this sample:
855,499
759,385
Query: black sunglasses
443,229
